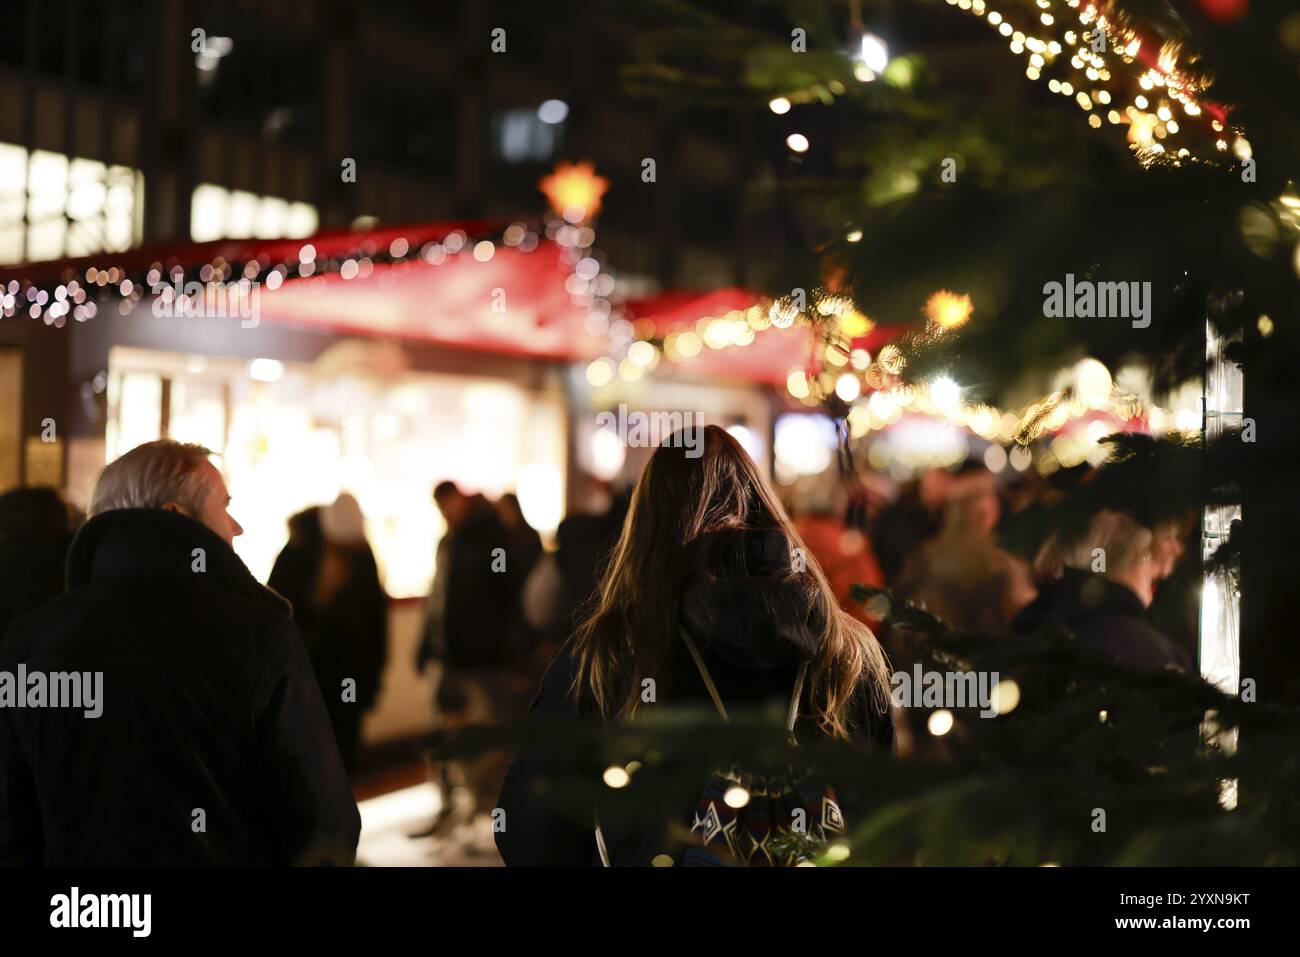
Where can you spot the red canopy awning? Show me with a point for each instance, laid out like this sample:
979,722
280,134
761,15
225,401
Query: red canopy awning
514,303
768,359
511,302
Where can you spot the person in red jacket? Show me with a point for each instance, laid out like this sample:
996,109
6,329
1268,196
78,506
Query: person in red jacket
844,553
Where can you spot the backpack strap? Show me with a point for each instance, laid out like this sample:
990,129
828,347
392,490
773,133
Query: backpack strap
600,846
792,713
704,673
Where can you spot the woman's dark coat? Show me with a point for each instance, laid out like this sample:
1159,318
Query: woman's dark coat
753,628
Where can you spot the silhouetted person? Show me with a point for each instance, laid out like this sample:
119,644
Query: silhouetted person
565,582
701,595
915,516
525,543
212,744
328,572
525,551
468,620
961,574
844,553
35,532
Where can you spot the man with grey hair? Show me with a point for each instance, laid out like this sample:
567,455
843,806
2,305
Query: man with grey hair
175,476
213,745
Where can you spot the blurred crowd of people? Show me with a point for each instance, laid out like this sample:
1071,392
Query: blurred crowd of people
498,608
991,558
981,554
246,734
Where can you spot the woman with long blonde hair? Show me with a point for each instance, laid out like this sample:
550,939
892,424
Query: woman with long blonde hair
711,595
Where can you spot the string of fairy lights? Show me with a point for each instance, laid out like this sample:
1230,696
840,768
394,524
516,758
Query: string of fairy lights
1113,72
874,395
1119,77
871,392
188,287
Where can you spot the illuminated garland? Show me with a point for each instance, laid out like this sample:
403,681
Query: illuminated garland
871,394
637,346
81,295
1146,85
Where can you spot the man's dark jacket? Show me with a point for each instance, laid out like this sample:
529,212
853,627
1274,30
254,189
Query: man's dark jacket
468,623
1106,618
208,705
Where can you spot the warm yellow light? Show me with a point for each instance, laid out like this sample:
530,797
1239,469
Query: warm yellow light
837,852
940,723
948,310
574,187
600,372
779,105
642,353
736,796
854,324
891,359
1006,693
783,313
848,387
617,777
1092,382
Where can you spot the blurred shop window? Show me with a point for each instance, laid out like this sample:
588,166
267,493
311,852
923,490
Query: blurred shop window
291,435
220,213
804,444
54,206
523,136
135,402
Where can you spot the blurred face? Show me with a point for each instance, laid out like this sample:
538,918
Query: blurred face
983,511
1141,576
933,488
453,508
216,500
1166,549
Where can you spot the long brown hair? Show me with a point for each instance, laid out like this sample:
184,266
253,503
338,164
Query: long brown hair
631,631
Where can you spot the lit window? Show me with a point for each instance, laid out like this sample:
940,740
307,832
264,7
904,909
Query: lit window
54,206
522,136
220,213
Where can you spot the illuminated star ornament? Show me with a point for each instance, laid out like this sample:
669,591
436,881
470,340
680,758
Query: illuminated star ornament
1119,73
574,191
947,310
